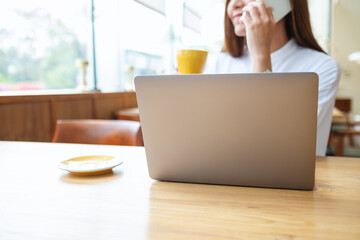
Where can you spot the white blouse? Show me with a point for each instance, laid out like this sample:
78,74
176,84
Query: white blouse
294,58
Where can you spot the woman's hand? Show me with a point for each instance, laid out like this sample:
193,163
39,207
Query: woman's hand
259,23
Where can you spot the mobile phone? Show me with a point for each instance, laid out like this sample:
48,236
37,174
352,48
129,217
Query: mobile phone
280,8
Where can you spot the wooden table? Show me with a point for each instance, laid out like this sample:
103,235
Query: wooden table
337,136
40,201
128,114
338,116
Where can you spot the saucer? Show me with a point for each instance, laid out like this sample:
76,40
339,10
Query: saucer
90,165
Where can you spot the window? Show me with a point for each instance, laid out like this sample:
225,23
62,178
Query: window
40,42
157,5
191,19
134,37
320,22
129,37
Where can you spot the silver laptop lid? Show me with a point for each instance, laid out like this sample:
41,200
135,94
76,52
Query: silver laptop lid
233,129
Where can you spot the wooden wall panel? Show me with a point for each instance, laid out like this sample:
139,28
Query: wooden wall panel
33,117
107,106
74,109
25,121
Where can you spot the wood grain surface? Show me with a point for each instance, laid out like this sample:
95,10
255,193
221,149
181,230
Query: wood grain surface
40,201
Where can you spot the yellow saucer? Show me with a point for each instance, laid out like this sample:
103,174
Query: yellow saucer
90,165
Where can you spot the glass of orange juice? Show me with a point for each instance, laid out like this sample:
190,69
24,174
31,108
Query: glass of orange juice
191,61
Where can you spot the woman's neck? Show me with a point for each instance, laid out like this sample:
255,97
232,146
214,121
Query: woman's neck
280,37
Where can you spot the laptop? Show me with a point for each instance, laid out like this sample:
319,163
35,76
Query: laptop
254,130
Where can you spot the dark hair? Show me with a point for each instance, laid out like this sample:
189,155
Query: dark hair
297,25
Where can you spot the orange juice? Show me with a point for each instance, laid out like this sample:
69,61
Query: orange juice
191,61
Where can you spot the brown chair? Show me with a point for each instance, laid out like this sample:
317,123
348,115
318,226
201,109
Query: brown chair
344,105
90,131
345,128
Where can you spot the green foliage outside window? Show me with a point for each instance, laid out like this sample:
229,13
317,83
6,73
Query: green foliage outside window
24,64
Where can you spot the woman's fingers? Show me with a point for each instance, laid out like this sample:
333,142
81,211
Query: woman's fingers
253,12
259,26
263,11
246,18
259,11
270,13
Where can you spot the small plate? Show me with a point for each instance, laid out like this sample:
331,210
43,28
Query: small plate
90,165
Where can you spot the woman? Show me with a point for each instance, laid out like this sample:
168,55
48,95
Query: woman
255,43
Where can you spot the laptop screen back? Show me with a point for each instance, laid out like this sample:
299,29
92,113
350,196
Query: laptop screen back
233,129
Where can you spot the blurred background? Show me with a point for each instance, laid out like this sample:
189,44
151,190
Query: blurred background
102,45
41,40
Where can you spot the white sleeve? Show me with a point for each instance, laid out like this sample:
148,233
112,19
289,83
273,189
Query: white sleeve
329,76
211,64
